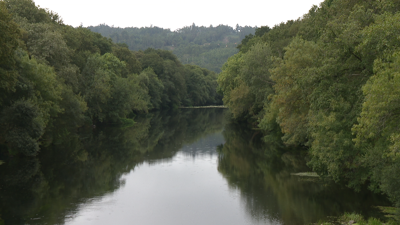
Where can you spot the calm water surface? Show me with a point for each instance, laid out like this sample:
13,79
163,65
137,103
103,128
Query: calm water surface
185,167
186,189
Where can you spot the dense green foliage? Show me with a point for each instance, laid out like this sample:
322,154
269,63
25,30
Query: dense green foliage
330,81
52,74
208,47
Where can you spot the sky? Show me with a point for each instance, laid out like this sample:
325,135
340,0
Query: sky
175,14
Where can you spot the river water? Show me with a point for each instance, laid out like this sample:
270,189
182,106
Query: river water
184,167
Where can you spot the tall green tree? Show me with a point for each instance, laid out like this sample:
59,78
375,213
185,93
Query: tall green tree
377,130
245,81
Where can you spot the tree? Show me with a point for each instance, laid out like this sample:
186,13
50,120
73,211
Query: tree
28,10
170,72
47,45
23,126
154,86
31,107
125,55
377,132
197,92
97,82
9,36
294,76
245,81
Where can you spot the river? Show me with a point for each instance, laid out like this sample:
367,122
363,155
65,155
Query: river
191,166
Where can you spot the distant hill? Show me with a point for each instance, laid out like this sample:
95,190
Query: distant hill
208,47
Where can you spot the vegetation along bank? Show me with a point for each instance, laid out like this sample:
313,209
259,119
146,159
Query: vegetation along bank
52,74
330,82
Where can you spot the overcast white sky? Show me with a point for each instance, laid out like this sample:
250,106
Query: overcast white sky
176,14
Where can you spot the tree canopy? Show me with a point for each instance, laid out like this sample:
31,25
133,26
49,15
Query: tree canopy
53,74
208,47
329,80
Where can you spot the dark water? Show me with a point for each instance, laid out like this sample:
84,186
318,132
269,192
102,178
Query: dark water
185,167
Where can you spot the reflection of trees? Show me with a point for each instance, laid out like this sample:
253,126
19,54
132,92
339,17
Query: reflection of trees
76,168
204,147
184,127
261,172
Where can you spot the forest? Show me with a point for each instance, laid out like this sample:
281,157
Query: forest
52,75
208,47
328,82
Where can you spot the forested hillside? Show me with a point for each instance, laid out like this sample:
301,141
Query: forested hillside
54,75
208,47
330,82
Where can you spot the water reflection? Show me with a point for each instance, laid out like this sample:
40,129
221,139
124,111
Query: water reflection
75,168
262,174
167,169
